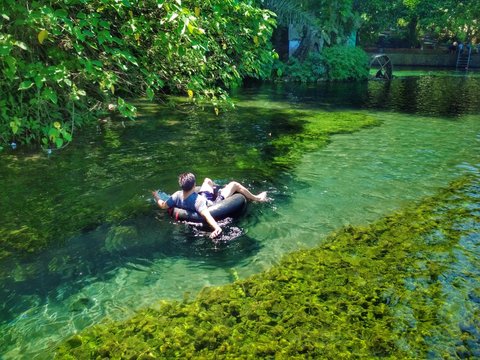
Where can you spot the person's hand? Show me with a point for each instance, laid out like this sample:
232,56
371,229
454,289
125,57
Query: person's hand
216,232
157,199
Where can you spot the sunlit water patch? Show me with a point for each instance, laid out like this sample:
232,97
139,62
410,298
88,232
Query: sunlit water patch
360,177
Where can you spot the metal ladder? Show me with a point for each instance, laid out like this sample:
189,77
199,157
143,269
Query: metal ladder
463,59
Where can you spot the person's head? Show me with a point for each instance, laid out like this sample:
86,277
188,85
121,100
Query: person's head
186,181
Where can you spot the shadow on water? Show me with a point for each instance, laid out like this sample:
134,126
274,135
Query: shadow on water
421,95
192,242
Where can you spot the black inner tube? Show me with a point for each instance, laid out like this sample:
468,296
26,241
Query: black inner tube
230,207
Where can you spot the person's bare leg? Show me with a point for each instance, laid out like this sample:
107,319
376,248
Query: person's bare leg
233,187
207,185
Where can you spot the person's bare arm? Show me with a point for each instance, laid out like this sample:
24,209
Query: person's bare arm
162,204
217,230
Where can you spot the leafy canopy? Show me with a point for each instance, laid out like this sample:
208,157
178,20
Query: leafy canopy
443,19
63,61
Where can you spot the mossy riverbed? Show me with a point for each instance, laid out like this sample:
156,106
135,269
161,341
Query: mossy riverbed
405,286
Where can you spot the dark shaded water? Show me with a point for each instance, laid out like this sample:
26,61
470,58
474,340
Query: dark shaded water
113,252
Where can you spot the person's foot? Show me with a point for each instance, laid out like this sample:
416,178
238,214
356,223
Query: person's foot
262,197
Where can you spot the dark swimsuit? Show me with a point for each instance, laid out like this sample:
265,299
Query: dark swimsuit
213,197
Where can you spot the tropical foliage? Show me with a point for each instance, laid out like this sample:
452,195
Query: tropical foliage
411,20
332,21
407,21
346,63
324,25
335,63
64,61
310,69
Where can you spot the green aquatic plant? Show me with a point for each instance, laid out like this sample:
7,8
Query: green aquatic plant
120,237
313,130
258,136
398,288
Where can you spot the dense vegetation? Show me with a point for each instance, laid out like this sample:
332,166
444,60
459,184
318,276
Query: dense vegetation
335,63
407,22
65,61
385,290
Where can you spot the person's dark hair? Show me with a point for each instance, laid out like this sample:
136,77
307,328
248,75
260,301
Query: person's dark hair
186,181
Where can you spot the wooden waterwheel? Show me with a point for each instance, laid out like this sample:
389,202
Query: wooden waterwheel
384,65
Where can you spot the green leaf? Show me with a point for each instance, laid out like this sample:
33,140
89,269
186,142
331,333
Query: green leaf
97,63
128,57
63,13
12,66
21,45
42,36
67,136
53,133
50,94
14,127
39,80
27,84
5,49
59,142
150,93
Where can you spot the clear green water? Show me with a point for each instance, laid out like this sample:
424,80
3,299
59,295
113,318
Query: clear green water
131,255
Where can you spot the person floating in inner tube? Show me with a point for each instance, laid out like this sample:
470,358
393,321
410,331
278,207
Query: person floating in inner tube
189,199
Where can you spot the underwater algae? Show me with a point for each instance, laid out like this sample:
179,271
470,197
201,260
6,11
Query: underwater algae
85,180
405,286
317,126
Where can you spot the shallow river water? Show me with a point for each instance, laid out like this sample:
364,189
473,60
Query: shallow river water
135,256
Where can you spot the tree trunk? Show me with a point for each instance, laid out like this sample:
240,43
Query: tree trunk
309,42
280,42
412,32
